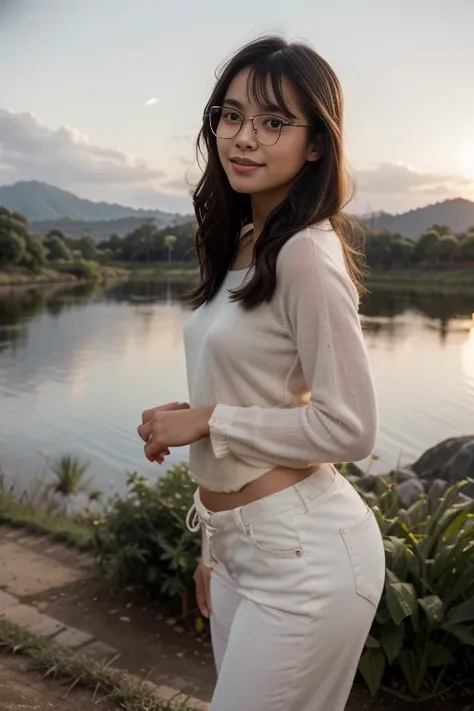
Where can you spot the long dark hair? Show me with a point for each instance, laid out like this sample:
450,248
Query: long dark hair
319,192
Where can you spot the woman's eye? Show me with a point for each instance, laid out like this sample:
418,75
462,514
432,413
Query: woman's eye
231,116
274,124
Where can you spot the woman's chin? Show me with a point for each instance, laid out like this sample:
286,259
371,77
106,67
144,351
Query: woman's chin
244,186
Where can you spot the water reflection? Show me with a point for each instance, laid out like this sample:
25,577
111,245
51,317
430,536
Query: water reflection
78,365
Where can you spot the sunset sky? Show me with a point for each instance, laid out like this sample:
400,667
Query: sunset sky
105,97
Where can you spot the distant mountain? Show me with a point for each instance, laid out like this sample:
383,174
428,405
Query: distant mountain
458,214
102,229
41,202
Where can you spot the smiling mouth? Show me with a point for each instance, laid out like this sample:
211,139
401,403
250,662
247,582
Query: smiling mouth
246,162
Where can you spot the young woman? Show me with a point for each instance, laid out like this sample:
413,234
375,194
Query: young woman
280,389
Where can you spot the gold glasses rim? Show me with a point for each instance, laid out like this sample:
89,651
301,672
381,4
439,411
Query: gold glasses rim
284,122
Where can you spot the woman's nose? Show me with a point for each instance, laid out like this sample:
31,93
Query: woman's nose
246,137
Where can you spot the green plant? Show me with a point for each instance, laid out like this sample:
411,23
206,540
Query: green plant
424,626
68,475
423,633
18,514
82,269
142,539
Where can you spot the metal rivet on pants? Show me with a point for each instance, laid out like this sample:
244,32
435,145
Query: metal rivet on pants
298,552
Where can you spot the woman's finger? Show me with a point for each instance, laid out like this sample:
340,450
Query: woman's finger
201,597
207,589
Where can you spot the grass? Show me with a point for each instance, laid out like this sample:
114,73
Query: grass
18,514
417,280
16,276
74,670
154,270
452,279
12,277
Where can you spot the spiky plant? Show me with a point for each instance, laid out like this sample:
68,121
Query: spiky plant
69,474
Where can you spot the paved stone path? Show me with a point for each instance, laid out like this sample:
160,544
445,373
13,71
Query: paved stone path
14,553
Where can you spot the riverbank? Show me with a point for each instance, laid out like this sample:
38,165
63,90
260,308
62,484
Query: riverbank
452,280
73,274
422,280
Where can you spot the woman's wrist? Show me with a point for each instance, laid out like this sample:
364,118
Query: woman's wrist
205,414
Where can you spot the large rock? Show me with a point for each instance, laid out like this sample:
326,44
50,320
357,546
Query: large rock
410,491
452,460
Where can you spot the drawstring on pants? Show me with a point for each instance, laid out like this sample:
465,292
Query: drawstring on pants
194,522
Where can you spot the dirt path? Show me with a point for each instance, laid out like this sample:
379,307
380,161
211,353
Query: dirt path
59,583
22,689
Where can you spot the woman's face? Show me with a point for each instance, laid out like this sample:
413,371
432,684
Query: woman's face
274,166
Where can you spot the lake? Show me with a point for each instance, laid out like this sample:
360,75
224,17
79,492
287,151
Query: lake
78,366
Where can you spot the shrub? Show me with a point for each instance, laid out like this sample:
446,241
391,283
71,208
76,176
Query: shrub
12,247
143,541
82,269
424,627
423,633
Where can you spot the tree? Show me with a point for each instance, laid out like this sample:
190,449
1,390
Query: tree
378,251
87,246
425,245
56,233
441,230
169,242
445,248
57,248
402,251
12,247
36,252
465,250
114,243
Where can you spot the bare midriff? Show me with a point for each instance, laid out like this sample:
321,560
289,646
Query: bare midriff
269,483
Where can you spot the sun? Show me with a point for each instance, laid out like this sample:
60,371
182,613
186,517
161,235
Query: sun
466,157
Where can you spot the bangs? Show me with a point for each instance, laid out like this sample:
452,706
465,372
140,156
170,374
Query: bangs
265,85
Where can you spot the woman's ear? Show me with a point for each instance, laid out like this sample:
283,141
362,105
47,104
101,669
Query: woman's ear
316,150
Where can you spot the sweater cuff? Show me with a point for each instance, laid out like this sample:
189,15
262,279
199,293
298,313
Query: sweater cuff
219,424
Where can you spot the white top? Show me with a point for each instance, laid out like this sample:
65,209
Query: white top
290,379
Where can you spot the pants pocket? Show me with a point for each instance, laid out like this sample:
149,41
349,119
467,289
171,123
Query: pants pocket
364,545
276,536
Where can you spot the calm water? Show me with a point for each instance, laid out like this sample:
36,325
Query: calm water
77,367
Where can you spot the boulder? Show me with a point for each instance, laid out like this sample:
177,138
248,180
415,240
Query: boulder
410,491
400,475
451,460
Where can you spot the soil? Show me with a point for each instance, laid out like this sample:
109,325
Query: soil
151,643
23,689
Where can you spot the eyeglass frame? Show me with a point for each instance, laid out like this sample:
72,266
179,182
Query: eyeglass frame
254,130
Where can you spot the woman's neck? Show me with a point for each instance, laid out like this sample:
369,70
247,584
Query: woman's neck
263,205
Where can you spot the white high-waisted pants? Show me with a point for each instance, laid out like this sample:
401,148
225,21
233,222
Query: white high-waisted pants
296,582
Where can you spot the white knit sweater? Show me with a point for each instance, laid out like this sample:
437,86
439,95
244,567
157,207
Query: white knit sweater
290,380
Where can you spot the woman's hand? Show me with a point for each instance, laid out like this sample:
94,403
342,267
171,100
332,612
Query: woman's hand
172,425
202,581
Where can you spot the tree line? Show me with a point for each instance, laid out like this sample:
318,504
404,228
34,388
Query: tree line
438,247
146,243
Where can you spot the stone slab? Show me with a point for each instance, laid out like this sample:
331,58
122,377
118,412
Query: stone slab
27,572
70,638
175,698
22,615
7,601
46,627
99,651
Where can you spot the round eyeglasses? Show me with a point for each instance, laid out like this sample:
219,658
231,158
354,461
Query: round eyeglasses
226,122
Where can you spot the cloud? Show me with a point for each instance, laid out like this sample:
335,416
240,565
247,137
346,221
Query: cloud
64,157
399,186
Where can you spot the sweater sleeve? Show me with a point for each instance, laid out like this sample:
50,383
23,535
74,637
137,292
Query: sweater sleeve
318,304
